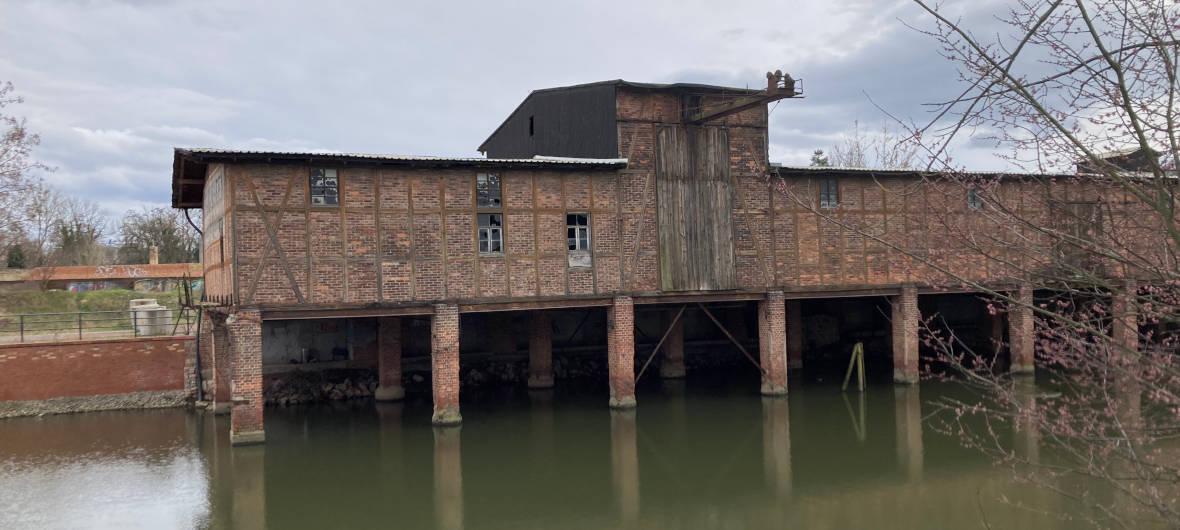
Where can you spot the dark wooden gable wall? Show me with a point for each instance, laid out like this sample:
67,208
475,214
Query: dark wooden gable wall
573,122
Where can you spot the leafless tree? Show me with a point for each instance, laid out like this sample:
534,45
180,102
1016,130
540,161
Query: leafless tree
163,228
1081,95
882,149
17,164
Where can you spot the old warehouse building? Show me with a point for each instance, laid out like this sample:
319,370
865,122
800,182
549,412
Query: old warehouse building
608,195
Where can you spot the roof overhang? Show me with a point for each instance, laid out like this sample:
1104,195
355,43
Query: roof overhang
189,166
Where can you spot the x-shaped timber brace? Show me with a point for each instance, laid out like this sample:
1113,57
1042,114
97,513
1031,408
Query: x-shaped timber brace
720,326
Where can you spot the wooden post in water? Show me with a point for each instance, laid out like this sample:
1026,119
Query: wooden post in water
857,360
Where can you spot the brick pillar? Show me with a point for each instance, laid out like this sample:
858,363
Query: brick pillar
389,360
444,354
795,335
906,319
772,343
245,336
205,356
907,413
1021,332
190,369
620,346
776,445
1125,321
624,452
448,478
540,350
672,352
219,398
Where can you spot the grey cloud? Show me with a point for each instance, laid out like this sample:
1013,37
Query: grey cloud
113,86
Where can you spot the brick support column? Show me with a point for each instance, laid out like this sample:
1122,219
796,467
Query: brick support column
219,395
906,319
672,352
620,346
1125,321
389,360
540,350
772,343
1021,332
205,356
444,354
245,337
794,335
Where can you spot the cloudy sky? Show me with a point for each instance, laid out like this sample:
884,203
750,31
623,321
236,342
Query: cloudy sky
113,86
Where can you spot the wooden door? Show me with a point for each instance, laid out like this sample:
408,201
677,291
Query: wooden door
695,201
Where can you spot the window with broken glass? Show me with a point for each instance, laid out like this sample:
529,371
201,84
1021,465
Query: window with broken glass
829,193
491,233
487,190
974,201
577,231
325,187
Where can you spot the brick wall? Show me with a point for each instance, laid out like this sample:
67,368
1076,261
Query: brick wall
91,368
409,235
245,337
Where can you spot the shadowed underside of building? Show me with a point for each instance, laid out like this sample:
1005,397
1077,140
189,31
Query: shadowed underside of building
623,198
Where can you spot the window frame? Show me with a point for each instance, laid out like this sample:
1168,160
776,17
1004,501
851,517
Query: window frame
494,233
829,193
582,241
312,187
492,204
974,199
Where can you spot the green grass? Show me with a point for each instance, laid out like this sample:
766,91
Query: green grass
18,302
40,302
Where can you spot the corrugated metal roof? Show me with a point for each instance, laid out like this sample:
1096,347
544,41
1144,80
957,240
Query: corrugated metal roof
188,165
909,171
539,160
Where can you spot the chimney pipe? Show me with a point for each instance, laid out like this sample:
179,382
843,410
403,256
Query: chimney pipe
154,255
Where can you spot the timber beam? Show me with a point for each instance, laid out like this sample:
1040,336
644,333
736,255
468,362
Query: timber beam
778,86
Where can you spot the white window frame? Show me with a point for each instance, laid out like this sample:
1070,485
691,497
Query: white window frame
581,237
490,237
328,175
489,182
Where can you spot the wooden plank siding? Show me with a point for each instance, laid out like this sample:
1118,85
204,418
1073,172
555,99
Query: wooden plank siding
695,203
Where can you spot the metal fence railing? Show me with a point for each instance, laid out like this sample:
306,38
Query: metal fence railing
41,327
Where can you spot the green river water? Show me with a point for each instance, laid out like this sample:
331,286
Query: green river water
692,455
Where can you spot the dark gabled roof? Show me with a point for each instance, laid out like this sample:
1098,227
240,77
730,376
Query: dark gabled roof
189,165
649,87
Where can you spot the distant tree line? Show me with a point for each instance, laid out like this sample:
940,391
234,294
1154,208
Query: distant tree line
42,227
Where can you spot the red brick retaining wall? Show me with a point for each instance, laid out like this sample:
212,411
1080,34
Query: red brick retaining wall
91,367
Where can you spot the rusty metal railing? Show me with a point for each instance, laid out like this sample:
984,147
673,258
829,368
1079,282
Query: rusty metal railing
46,327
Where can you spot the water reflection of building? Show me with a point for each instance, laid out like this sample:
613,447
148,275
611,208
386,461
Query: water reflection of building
448,478
249,487
624,452
907,406
776,445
